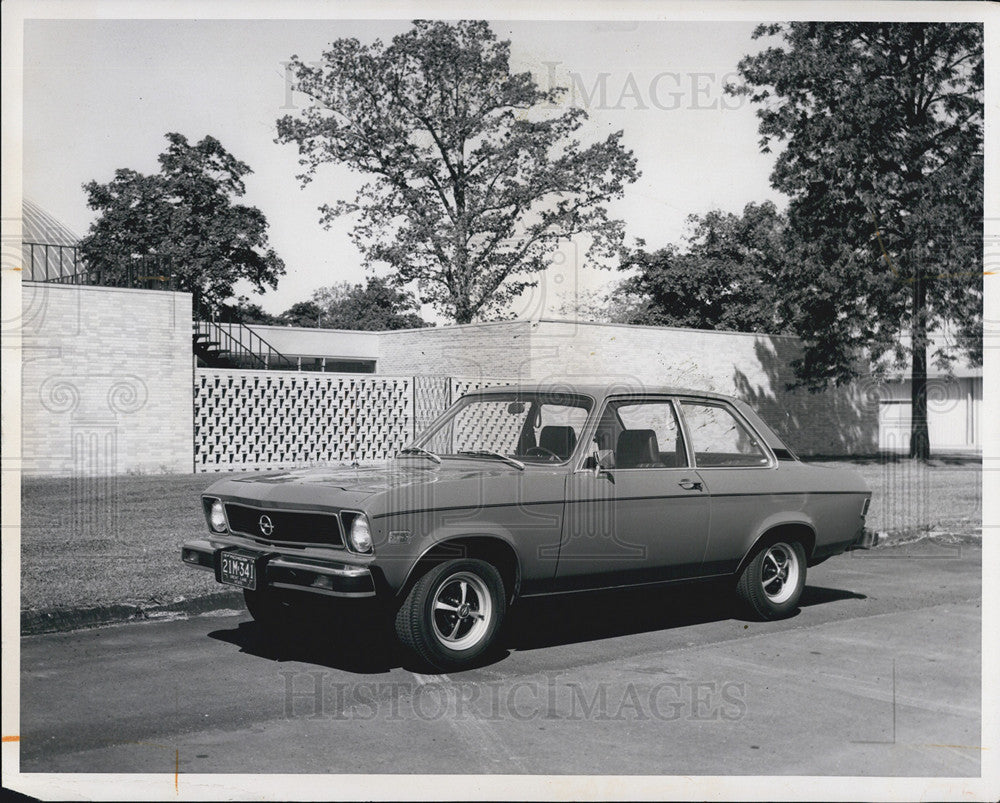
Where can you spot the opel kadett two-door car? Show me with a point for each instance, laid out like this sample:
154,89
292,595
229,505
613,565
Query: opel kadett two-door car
520,491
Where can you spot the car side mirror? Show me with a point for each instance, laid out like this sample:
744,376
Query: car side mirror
601,461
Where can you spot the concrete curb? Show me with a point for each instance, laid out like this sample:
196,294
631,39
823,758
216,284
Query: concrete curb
896,538
56,620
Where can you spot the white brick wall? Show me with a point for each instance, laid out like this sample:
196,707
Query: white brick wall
753,367
477,350
106,381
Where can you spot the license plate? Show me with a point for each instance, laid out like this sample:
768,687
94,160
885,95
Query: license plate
239,570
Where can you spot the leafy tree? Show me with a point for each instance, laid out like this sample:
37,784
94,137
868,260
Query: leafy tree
377,305
302,313
243,311
616,305
476,175
881,126
182,221
723,278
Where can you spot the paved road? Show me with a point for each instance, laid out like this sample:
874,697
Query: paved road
878,674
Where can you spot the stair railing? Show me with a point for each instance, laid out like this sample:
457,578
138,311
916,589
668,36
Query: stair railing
245,346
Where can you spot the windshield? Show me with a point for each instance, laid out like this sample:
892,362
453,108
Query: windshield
530,427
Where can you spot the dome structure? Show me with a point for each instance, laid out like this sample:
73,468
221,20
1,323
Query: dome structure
48,247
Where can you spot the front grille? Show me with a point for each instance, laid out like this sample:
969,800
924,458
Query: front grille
287,526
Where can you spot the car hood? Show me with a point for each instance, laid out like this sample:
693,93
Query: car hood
341,486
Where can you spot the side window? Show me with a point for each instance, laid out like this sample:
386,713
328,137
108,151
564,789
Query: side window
647,436
719,439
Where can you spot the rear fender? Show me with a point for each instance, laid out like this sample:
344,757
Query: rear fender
792,524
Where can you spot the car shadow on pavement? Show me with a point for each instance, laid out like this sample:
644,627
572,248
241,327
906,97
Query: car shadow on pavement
819,595
591,616
356,648
356,639
362,643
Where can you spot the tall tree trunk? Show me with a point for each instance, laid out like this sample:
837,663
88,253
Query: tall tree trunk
920,446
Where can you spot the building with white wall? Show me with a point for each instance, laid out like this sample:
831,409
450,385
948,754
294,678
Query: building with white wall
868,416
105,380
329,350
110,385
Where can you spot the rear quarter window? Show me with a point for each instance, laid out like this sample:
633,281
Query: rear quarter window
719,439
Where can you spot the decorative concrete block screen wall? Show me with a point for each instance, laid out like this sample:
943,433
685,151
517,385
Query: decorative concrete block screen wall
431,396
259,420
277,419
106,381
483,423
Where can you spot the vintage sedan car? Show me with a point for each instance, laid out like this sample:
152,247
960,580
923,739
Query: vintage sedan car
521,491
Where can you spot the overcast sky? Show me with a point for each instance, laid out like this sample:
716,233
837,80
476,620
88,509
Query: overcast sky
99,95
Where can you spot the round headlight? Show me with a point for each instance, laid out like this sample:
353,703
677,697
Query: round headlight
361,534
217,517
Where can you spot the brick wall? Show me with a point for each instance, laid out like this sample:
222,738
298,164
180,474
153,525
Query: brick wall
106,381
753,367
476,350
108,384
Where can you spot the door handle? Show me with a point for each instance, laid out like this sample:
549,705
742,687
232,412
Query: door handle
691,485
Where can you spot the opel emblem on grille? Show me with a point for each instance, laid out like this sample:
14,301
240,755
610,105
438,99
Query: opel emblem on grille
266,525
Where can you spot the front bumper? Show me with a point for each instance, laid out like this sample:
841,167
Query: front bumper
274,570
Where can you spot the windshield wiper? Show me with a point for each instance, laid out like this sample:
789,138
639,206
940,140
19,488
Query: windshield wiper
509,460
422,452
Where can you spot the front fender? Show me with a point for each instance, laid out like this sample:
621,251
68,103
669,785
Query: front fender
405,543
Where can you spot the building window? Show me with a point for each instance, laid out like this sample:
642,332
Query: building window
335,365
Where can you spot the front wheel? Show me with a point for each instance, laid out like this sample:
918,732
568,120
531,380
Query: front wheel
452,614
772,583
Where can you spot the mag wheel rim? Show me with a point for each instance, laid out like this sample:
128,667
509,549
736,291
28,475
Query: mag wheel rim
462,611
779,573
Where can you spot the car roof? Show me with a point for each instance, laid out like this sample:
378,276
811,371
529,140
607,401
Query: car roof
601,390
597,389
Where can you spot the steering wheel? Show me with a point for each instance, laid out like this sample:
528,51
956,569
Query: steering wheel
541,451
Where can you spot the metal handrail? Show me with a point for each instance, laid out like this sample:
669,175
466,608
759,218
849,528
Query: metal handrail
245,345
64,264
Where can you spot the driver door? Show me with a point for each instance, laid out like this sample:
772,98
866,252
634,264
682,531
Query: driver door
644,520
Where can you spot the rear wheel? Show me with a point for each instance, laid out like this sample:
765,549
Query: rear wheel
771,584
452,614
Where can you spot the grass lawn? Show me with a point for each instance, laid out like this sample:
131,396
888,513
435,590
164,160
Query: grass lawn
942,494
114,540
117,540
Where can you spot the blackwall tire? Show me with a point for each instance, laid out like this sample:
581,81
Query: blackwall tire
453,613
771,583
